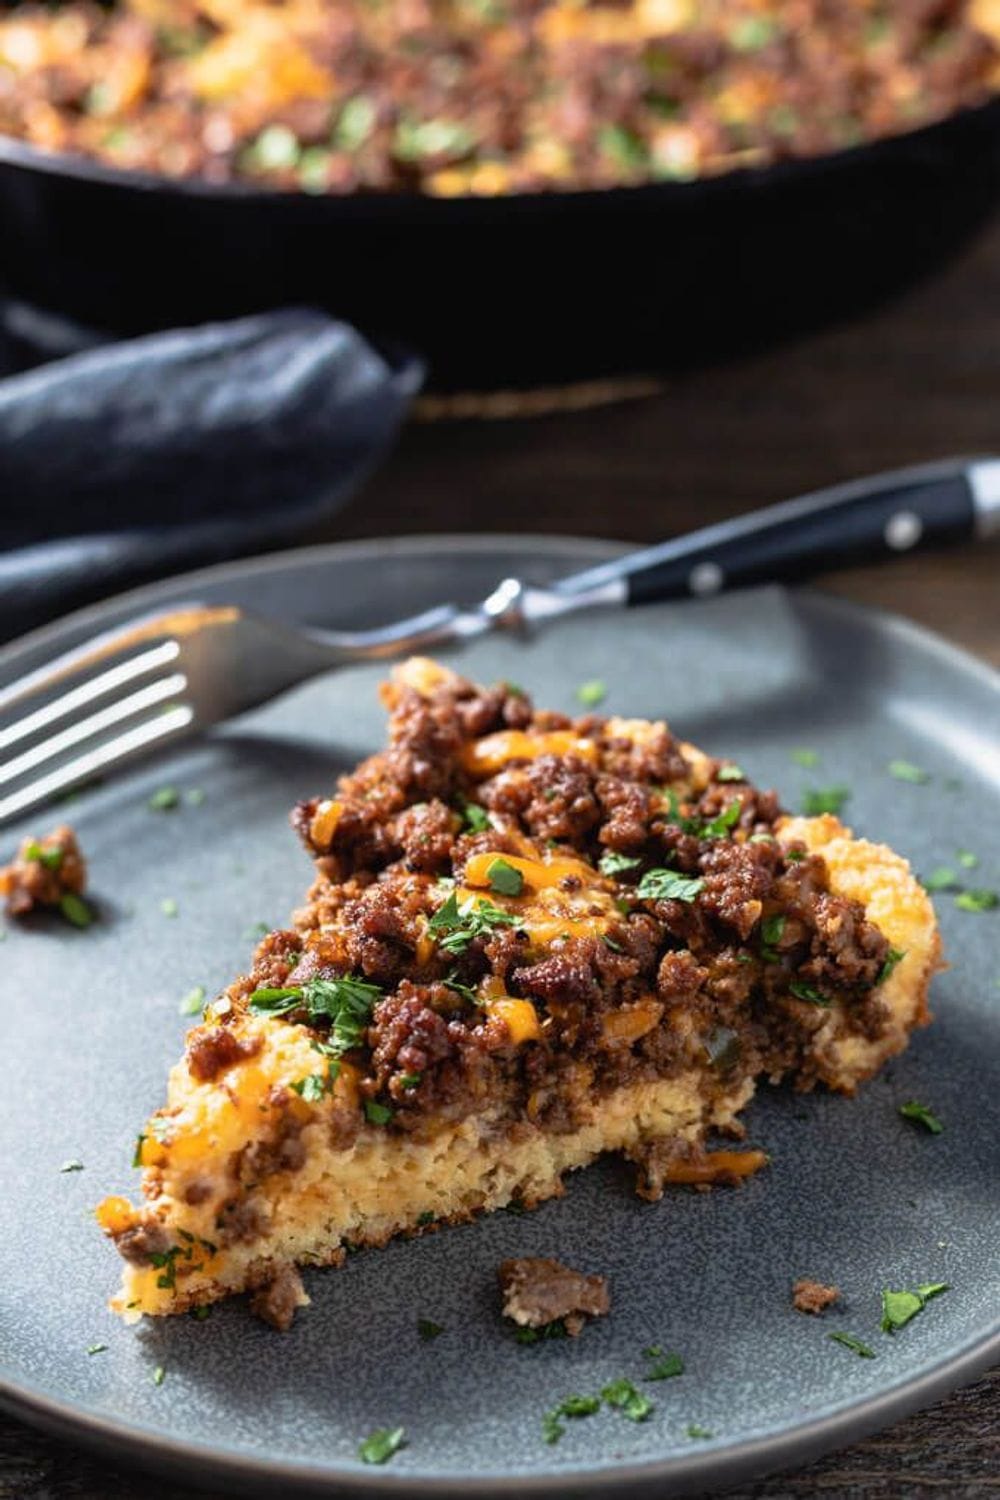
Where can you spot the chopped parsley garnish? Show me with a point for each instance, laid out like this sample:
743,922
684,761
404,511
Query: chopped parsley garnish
378,1114
665,1366
50,858
554,1330
466,992
623,1396
428,1330
720,826
313,1087
159,1375
165,800
943,878
591,693
381,1444
425,1218
668,885
137,1153
807,758
72,1166
612,863
977,900
905,770
194,796
850,1342
191,1003
201,1313
476,818
919,1113
571,1406
97,1348
694,1431
505,879
168,906
771,930
806,992
76,910
967,859
730,773
892,958
410,1080
817,800
899,1307
456,925
346,1002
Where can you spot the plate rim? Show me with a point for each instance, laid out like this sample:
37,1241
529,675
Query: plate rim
713,1465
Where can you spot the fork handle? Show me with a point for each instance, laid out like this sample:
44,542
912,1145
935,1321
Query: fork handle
867,520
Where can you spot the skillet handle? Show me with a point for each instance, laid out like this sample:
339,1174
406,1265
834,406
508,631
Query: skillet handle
867,520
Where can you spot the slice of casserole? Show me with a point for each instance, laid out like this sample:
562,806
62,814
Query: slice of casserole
530,940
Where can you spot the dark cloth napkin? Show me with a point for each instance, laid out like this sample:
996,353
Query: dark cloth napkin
123,461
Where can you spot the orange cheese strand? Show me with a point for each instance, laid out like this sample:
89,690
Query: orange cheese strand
519,1016
483,757
717,1167
537,873
632,1022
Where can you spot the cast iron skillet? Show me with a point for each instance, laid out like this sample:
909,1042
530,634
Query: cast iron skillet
516,290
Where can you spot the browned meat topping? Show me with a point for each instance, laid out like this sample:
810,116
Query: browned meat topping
481,97
44,872
213,1050
276,1303
516,913
538,1291
812,1296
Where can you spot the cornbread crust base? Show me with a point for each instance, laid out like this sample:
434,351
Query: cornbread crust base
385,1183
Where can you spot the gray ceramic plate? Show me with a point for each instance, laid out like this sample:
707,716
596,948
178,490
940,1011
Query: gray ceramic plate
89,1024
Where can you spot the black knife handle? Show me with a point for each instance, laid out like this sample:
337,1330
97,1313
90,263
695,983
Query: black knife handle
866,521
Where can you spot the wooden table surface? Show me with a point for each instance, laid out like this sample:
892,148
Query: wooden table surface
917,381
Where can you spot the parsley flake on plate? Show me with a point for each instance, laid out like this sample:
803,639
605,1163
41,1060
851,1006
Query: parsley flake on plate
191,1003
905,770
977,900
664,1366
159,1375
573,1407
554,1330
97,1348
379,1446
921,1115
428,1330
803,757
72,1166
967,859
505,879
941,878
899,1307
76,910
855,1345
169,906
591,693
623,1396
693,1430
165,799
817,800
668,885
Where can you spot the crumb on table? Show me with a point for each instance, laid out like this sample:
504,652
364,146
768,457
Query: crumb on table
538,1291
812,1296
43,872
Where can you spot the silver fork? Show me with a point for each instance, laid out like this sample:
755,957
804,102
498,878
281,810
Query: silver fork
176,673
173,674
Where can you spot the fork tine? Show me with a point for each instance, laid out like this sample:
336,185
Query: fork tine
78,697
85,729
116,751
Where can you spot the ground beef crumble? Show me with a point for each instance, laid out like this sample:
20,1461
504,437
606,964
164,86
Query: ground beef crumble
538,1291
43,872
812,1296
638,987
277,1302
